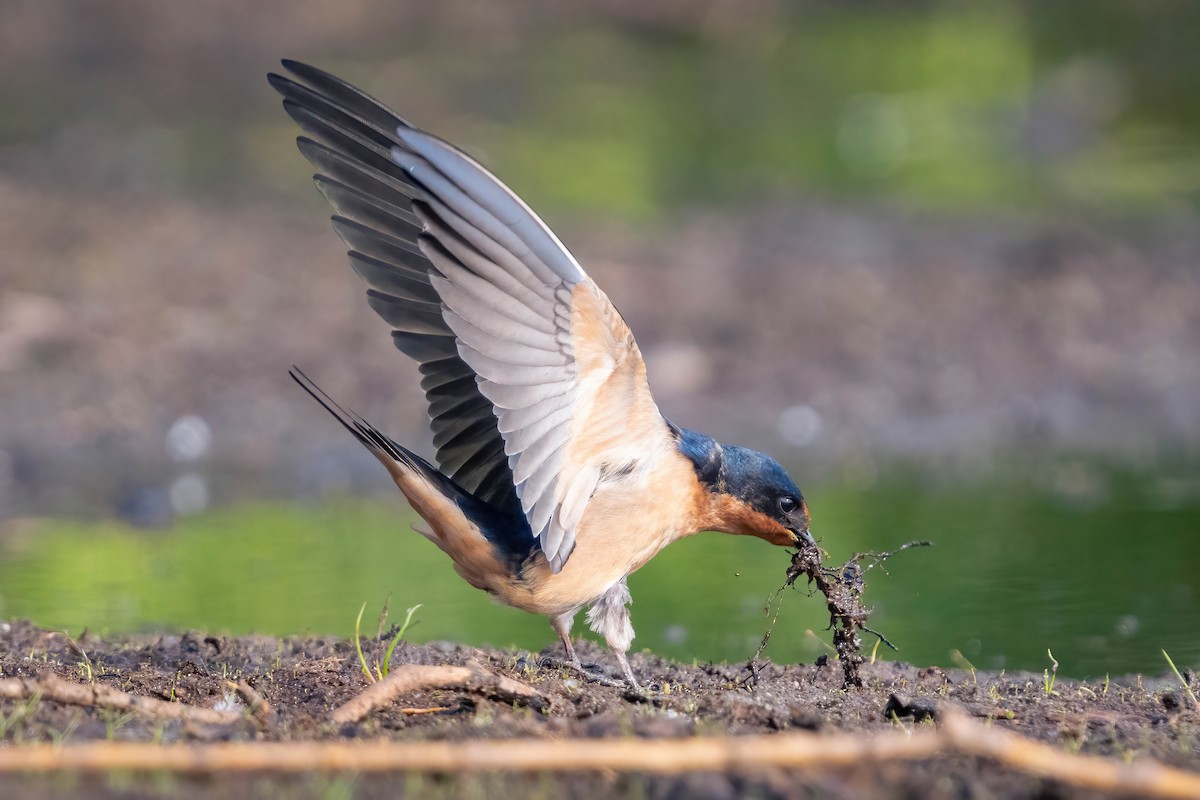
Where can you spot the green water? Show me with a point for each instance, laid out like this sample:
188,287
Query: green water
1098,565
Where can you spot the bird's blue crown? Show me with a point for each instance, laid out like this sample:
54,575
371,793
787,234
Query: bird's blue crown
752,477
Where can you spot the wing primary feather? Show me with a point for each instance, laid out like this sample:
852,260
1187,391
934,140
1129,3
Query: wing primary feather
403,315
471,271
500,202
461,429
423,347
436,185
365,181
354,173
401,254
448,228
390,279
443,372
349,96
344,140
521,306
321,106
451,406
461,461
455,383
350,202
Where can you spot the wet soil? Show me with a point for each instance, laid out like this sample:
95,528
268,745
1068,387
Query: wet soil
305,678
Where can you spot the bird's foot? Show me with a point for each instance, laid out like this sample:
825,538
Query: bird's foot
624,662
589,675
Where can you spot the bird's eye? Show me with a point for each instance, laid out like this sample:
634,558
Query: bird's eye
787,504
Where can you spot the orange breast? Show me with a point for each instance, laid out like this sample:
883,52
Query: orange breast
627,522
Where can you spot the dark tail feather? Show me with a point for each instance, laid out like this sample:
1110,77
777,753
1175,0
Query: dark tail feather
369,436
505,529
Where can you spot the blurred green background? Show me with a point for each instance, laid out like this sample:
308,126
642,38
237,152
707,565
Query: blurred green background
940,259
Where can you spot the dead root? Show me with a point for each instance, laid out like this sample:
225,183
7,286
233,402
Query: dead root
416,677
955,735
56,690
843,588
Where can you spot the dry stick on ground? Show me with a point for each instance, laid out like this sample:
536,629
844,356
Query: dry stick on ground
415,677
259,708
956,734
53,689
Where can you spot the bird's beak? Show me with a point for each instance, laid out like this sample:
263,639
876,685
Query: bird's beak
802,537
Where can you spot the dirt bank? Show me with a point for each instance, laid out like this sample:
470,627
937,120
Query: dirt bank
304,679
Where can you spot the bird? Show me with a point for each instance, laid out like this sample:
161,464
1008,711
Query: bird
556,475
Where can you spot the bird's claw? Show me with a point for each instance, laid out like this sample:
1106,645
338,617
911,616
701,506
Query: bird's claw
594,677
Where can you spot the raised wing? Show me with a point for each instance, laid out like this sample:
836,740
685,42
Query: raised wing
535,384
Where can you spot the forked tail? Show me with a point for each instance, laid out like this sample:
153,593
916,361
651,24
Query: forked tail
484,544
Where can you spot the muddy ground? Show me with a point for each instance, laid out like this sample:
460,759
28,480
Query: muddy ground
304,678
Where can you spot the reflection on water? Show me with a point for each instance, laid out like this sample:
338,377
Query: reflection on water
1095,564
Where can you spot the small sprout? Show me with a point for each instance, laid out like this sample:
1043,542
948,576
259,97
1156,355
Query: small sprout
383,616
1186,687
378,671
387,658
14,723
875,649
958,658
362,660
1105,692
1049,675
59,737
113,722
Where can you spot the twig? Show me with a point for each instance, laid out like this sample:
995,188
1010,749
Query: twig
956,734
415,677
260,709
1141,778
881,638
878,558
56,690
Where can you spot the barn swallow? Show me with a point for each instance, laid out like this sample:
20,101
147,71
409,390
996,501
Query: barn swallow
557,476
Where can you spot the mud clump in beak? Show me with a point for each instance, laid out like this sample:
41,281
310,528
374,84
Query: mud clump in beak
843,588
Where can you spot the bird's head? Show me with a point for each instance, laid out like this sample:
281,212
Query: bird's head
749,493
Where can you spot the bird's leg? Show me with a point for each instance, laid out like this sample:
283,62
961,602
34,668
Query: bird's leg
609,617
625,668
562,626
